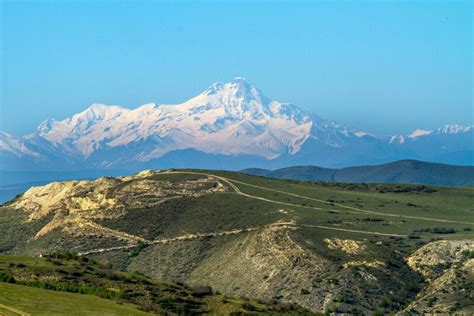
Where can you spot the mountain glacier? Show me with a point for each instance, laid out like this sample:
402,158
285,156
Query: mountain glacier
231,125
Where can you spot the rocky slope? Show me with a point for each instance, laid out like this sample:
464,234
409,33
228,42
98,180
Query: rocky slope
448,267
74,205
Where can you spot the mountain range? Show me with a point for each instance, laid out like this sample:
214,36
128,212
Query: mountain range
403,171
228,126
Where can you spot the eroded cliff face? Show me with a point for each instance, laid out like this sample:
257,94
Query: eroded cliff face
262,264
74,205
448,267
347,245
270,263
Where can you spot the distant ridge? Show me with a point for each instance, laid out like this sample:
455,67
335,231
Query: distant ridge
402,171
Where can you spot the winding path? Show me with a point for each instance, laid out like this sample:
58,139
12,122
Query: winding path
353,209
237,190
173,239
188,237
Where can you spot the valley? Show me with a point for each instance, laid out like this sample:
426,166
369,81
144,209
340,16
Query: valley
343,247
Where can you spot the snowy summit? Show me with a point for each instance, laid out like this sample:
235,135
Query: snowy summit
233,119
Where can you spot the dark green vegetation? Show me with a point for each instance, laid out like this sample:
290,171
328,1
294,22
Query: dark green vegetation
330,247
403,171
122,292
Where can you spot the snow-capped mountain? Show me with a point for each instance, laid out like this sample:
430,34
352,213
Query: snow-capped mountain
232,125
15,146
450,129
231,119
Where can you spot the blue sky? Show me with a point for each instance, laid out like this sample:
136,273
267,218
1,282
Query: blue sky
380,66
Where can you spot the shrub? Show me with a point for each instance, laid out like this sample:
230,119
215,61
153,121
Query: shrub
468,254
284,306
201,291
6,277
372,219
136,251
357,312
437,230
304,292
248,306
443,230
343,299
57,262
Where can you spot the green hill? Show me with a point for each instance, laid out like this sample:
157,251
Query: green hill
77,285
329,247
403,171
24,300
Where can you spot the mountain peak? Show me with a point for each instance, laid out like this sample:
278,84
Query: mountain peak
446,129
238,95
100,110
241,83
45,126
243,89
419,132
454,129
214,88
240,80
146,107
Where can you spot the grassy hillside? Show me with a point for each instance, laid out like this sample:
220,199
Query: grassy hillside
303,173
326,246
34,301
72,284
403,171
410,171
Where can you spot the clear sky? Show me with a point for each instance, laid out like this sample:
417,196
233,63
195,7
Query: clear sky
380,66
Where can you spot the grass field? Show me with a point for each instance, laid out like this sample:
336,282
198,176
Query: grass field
401,208
65,284
35,301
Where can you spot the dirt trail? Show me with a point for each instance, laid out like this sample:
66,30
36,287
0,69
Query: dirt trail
115,233
238,191
14,310
173,239
354,231
237,231
187,237
354,209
